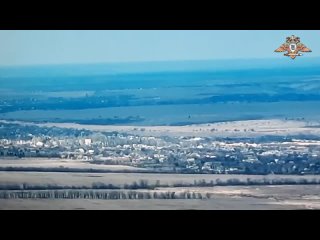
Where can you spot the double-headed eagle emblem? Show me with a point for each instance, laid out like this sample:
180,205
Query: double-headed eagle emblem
293,46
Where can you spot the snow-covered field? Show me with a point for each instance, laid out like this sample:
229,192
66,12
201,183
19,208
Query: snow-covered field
248,128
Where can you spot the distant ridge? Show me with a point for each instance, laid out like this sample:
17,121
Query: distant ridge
157,66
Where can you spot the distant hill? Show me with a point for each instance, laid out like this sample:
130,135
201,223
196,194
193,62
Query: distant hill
152,67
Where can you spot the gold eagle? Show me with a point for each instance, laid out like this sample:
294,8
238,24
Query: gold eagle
293,46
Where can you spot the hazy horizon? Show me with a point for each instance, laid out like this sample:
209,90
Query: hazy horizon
205,65
76,47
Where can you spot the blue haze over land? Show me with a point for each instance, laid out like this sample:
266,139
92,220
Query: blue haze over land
156,77
163,93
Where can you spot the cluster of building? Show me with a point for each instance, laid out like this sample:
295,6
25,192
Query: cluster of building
180,154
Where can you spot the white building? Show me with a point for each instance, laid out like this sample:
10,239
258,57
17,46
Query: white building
88,141
39,144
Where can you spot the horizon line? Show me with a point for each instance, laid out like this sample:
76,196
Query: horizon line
142,62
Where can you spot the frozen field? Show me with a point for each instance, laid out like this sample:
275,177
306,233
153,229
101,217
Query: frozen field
248,128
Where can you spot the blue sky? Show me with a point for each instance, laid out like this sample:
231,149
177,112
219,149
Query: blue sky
60,47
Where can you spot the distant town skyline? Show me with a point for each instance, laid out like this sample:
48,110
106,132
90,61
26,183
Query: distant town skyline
31,47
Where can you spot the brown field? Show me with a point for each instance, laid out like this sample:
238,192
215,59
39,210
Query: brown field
221,197
119,179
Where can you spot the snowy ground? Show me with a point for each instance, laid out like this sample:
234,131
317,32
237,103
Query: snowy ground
250,128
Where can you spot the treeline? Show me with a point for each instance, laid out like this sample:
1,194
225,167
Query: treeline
250,181
94,102
27,186
67,169
107,195
144,184
141,184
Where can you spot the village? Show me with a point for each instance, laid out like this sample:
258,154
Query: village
281,155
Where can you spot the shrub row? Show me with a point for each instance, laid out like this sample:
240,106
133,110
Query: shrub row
107,195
